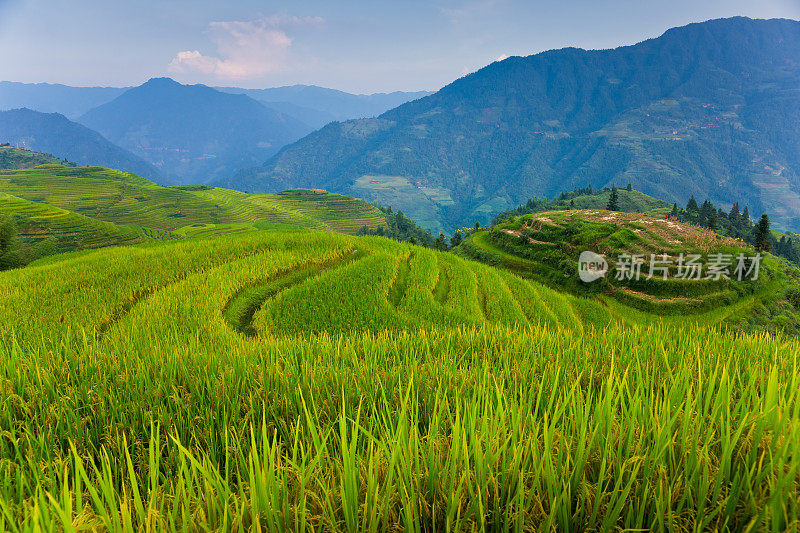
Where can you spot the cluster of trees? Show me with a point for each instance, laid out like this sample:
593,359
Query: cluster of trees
401,228
441,242
737,223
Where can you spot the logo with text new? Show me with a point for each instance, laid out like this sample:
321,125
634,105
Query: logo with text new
591,266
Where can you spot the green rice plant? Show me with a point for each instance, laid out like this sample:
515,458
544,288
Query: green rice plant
132,401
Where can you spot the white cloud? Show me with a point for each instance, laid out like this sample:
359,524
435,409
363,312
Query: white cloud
245,49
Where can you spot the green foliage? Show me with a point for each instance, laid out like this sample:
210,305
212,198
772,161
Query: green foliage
44,230
61,209
456,239
400,228
192,187
739,226
440,243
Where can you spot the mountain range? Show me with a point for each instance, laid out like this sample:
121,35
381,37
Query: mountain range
193,133
55,134
317,106
710,109
313,105
69,101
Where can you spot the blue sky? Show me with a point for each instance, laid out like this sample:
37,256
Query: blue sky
354,46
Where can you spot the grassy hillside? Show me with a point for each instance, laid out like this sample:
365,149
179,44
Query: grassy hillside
15,158
55,230
628,201
287,381
122,198
56,209
546,247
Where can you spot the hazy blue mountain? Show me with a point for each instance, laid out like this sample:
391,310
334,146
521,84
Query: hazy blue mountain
315,106
55,98
54,134
318,106
193,133
710,109
313,117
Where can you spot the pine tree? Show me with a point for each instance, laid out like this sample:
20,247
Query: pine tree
734,214
629,187
691,207
705,213
711,220
674,213
762,235
613,200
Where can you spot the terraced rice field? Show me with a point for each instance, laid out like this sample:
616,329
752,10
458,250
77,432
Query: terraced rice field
125,199
70,231
315,381
546,247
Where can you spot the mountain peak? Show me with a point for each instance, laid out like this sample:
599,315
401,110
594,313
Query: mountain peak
710,109
193,132
161,82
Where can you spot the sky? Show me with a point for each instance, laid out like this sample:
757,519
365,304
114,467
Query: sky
355,46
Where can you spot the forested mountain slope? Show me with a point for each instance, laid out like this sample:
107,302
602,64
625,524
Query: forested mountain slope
710,109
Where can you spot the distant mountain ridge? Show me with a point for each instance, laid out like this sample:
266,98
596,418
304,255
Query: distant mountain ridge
710,109
54,134
310,104
320,105
55,98
193,133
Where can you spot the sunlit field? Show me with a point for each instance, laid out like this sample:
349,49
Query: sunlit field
313,381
